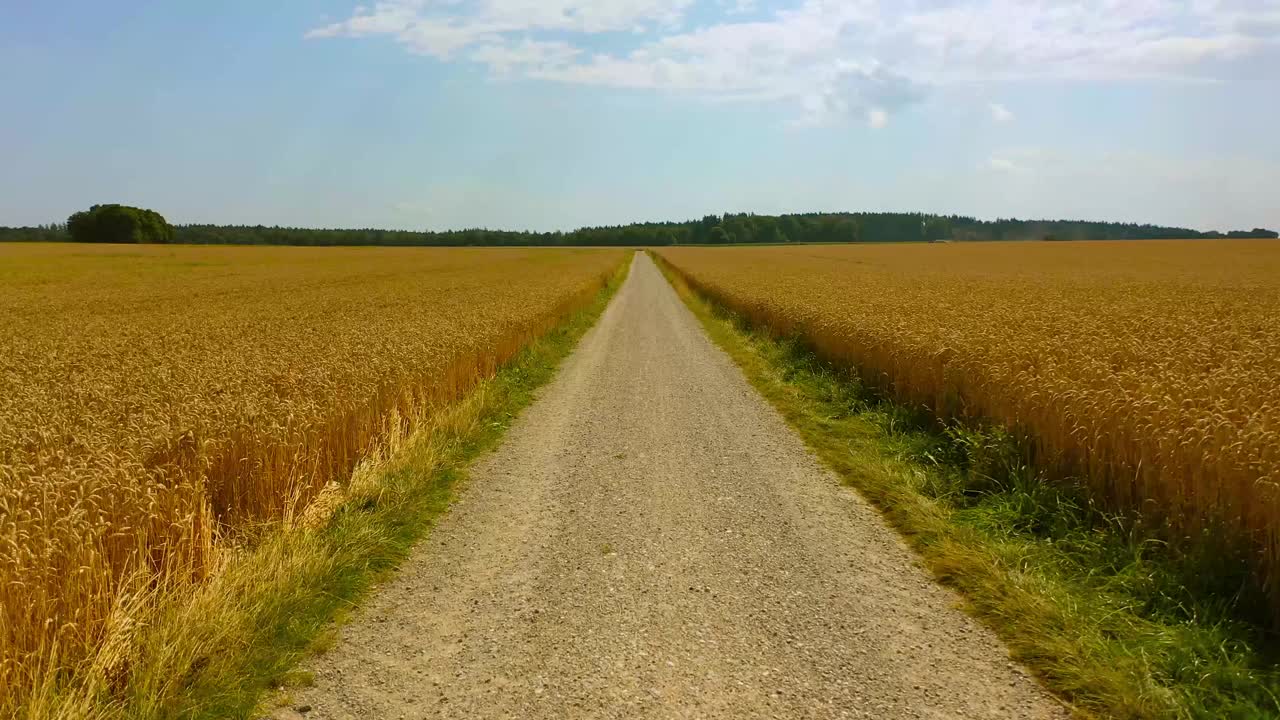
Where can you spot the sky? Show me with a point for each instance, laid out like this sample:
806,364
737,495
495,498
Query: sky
555,114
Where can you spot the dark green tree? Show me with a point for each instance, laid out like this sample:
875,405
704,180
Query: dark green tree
119,224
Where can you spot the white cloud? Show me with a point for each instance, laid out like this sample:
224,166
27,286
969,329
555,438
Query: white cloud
832,58
856,91
440,28
384,18
1000,113
528,55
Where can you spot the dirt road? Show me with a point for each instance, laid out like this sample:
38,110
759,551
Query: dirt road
651,540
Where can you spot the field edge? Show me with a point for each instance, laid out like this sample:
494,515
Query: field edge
231,648
1086,645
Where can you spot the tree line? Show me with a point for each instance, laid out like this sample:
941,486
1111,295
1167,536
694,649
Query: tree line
53,232
730,228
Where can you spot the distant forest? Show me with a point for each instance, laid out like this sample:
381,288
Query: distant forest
712,229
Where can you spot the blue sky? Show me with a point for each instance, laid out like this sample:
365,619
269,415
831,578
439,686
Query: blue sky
548,114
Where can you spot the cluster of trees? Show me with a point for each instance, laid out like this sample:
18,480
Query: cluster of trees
117,223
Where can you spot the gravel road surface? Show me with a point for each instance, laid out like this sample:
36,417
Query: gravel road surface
652,540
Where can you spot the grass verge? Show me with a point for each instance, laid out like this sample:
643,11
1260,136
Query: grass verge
1103,615
213,651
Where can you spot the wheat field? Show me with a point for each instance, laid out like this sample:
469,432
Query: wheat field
1149,369
159,405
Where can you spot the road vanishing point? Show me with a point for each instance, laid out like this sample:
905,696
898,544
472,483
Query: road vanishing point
651,540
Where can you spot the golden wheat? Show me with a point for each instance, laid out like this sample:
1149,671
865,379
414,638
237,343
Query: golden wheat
159,403
1152,369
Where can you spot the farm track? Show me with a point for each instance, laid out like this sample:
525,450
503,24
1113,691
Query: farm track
652,540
